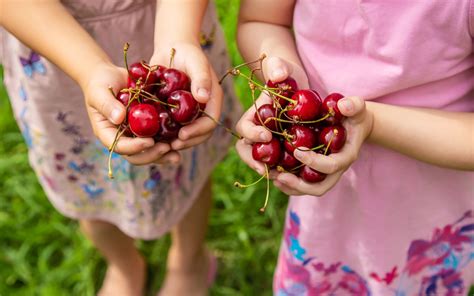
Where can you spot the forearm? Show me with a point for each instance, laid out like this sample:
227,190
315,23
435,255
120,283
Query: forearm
268,33
178,20
48,28
438,137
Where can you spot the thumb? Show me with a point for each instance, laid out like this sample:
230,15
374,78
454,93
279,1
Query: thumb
277,69
351,106
105,103
199,73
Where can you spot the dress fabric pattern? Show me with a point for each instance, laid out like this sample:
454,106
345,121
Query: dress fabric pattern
71,164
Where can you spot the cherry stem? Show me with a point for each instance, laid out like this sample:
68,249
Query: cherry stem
235,70
119,133
155,99
173,52
262,209
315,121
265,88
125,50
112,91
240,185
334,132
221,124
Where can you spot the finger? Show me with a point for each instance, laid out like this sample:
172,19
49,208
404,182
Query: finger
106,104
172,157
149,155
245,153
197,67
351,106
277,69
106,132
328,164
178,144
285,189
316,189
200,127
248,129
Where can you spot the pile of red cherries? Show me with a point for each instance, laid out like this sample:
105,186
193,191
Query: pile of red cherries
158,101
298,119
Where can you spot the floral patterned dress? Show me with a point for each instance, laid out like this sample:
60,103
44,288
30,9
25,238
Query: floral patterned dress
392,225
71,164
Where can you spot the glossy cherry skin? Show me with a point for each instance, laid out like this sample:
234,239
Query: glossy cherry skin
173,80
311,176
138,71
289,162
124,97
268,153
266,111
334,136
307,105
169,128
329,106
143,120
302,136
285,88
187,107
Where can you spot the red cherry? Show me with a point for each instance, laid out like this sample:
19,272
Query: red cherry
316,127
288,161
138,71
334,136
269,153
169,128
329,106
124,97
311,176
143,120
173,80
307,105
187,107
285,88
300,136
266,111
158,73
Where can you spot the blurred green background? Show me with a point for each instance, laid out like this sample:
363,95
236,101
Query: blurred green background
43,253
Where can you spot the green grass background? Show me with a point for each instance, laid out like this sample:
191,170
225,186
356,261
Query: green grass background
43,253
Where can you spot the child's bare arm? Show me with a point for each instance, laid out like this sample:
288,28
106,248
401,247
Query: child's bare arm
48,28
438,137
265,27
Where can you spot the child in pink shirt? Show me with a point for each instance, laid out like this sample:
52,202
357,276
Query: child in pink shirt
397,216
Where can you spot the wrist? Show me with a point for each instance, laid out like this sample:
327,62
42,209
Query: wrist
84,78
370,121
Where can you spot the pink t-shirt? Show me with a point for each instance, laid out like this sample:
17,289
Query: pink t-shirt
392,225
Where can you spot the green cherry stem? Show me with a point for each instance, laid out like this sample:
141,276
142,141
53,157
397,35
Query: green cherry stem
119,133
262,209
236,135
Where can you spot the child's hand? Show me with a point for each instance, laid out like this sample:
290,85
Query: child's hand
358,125
106,112
205,88
276,70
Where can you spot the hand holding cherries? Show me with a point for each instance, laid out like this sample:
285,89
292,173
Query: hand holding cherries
288,128
158,103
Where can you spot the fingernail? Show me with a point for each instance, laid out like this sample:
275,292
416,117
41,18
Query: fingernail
278,73
115,115
202,92
348,105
